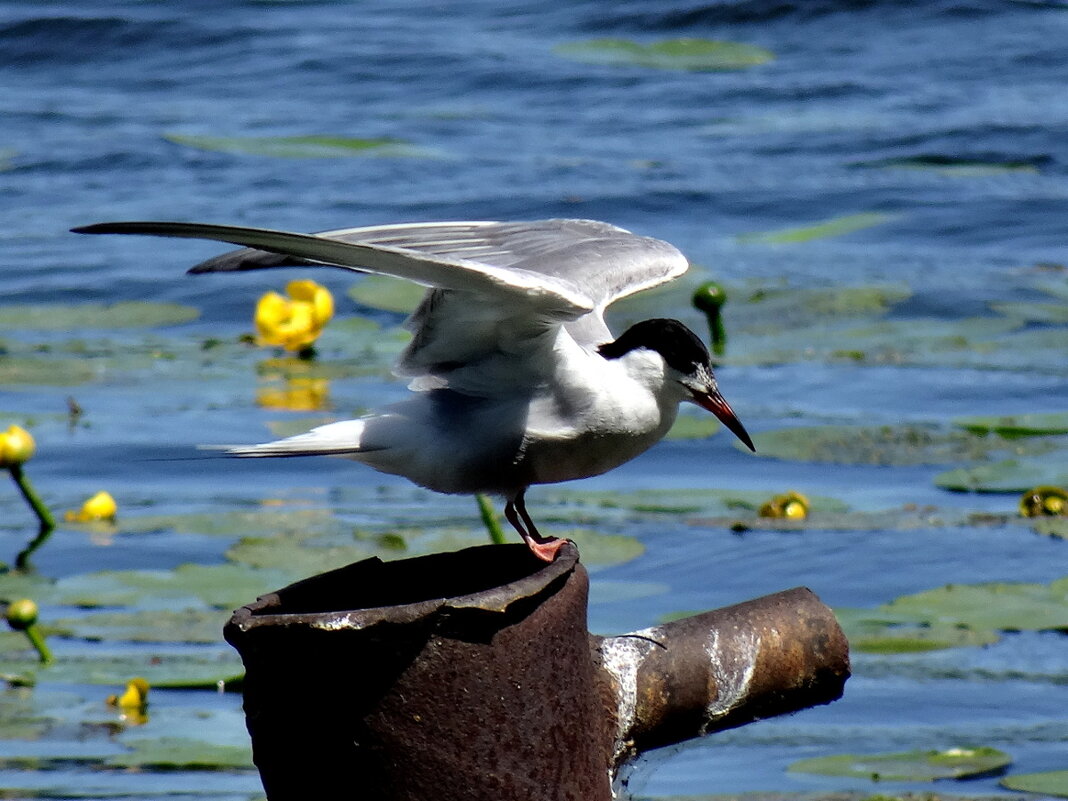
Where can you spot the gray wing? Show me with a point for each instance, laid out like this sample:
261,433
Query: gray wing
602,261
498,287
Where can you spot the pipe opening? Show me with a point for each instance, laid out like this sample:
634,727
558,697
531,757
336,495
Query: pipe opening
374,584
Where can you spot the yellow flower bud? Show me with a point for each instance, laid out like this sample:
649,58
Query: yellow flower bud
16,446
100,507
1044,501
293,323
791,505
21,614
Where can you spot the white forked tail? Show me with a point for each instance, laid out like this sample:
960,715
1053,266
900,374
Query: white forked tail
332,439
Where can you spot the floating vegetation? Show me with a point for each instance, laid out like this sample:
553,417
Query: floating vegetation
387,294
836,226
995,606
693,55
1016,425
693,426
872,445
909,766
1007,476
955,166
1050,313
765,311
126,314
1052,783
298,147
203,669
175,753
879,632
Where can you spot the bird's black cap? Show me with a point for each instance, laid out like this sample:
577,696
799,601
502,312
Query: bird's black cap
681,348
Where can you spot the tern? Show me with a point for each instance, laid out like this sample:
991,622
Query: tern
516,378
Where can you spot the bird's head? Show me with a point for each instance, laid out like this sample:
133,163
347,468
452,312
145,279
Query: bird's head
686,365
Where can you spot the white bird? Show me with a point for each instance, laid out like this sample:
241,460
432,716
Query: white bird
516,378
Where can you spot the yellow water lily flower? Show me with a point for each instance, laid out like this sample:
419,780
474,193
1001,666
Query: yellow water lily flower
134,697
293,322
100,507
133,703
16,446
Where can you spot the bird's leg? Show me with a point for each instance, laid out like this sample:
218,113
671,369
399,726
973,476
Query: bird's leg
544,548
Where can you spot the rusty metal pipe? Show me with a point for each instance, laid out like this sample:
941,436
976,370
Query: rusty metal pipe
721,669
471,676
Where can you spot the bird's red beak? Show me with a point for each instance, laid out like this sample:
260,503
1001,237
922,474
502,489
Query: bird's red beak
716,404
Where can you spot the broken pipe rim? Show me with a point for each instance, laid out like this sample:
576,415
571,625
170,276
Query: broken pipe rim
467,579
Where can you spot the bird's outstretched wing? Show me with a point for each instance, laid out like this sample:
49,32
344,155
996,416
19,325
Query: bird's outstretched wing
549,294
496,287
604,262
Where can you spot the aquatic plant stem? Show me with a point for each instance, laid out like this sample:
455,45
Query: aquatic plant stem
22,561
37,640
489,517
32,498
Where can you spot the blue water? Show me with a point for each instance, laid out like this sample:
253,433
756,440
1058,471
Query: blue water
504,128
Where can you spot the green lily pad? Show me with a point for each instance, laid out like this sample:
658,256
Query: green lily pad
704,501
127,314
176,753
868,632
836,226
1007,476
954,166
873,445
1055,313
601,550
759,336
304,556
916,766
45,371
387,294
224,586
692,426
149,626
15,584
20,715
1017,425
1053,782
297,147
293,553
770,310
239,522
997,606
694,55
1052,527
179,670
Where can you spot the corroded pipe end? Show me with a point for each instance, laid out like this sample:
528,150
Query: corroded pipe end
721,669
461,675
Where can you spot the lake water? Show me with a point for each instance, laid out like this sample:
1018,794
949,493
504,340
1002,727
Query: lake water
917,150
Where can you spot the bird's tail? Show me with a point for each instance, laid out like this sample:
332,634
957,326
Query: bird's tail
334,439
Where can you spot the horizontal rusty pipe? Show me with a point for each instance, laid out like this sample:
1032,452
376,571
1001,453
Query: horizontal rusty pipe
471,676
720,669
